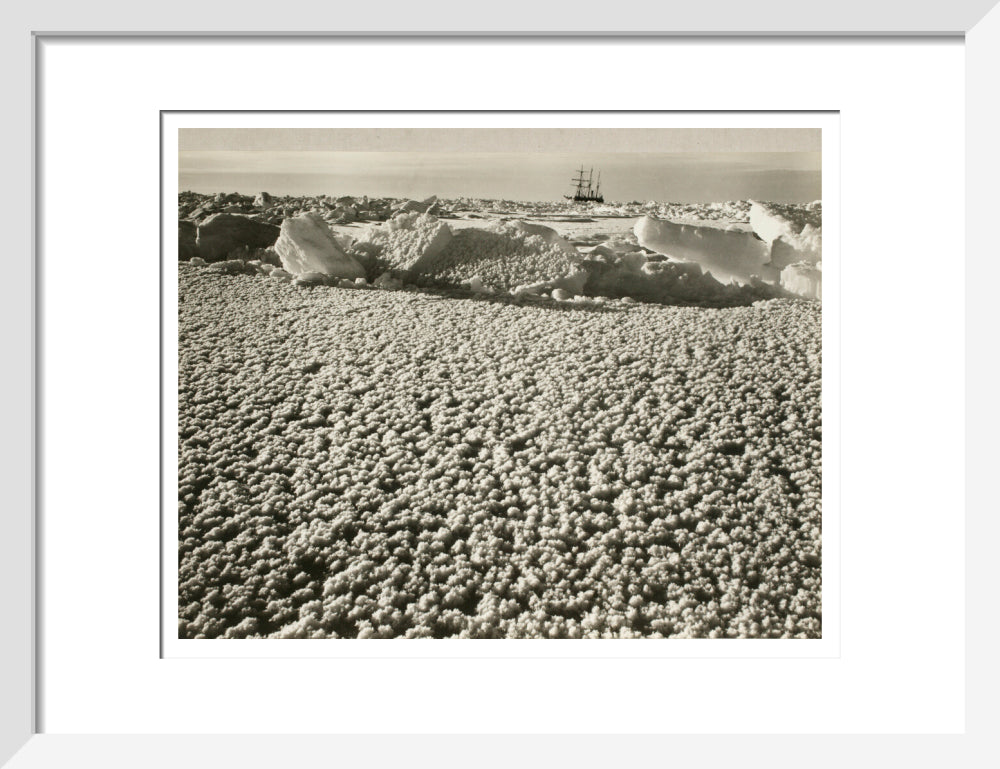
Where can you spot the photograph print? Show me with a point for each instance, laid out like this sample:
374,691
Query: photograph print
504,383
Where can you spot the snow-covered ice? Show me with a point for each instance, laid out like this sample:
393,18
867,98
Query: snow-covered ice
803,279
222,233
782,235
504,255
795,233
588,457
729,255
547,234
408,241
306,244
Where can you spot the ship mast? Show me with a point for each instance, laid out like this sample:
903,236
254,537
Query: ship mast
585,189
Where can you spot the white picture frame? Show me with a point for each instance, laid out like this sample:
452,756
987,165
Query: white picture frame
978,21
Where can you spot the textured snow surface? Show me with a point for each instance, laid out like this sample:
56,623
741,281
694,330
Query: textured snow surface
409,241
361,463
495,257
306,244
504,255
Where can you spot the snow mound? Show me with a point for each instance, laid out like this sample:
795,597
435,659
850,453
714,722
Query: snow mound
388,280
795,233
547,234
222,233
345,241
618,246
729,255
410,241
420,207
233,267
306,245
341,215
573,284
667,282
601,252
504,256
634,260
774,220
187,239
783,236
803,279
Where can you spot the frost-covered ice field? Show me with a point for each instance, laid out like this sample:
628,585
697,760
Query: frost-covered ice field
410,463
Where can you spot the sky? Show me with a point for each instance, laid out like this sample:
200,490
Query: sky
782,177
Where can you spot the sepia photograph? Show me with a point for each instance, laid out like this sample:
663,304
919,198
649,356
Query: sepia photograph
529,383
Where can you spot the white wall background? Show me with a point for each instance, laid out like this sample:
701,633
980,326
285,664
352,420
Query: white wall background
901,663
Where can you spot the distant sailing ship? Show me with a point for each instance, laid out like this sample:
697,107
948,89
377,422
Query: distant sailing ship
586,192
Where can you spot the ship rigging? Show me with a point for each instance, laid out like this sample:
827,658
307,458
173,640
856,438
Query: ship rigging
586,191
